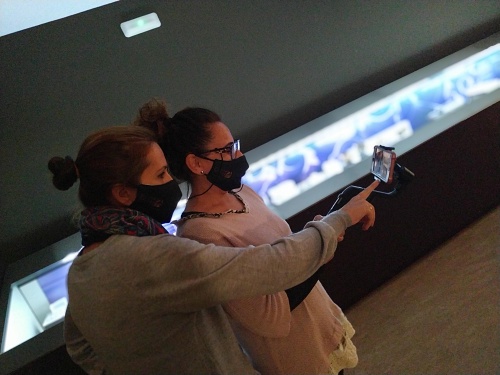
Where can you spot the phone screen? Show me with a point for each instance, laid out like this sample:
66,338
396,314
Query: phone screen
383,161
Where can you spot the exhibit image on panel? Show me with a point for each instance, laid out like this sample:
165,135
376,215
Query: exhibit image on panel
292,171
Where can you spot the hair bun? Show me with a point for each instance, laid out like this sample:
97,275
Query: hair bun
153,111
153,115
64,172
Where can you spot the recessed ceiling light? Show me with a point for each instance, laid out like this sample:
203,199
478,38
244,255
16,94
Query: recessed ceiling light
140,24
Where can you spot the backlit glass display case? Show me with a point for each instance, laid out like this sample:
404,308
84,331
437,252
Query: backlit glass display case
319,153
34,293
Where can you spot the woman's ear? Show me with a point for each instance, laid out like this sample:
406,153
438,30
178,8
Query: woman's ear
193,163
123,195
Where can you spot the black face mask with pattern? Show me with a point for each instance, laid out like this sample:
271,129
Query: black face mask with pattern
158,201
227,174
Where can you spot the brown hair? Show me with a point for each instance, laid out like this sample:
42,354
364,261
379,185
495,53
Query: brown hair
187,132
108,156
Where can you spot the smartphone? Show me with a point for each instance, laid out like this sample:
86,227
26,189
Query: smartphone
383,161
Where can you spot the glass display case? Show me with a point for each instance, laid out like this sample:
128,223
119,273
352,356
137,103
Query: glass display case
34,294
303,166
36,303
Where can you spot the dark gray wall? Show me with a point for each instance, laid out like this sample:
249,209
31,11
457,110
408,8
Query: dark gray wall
265,66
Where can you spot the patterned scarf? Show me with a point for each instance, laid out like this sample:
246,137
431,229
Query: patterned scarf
99,223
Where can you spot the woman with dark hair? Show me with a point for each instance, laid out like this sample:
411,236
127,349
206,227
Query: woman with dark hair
144,302
300,330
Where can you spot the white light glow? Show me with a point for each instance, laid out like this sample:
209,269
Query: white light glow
18,15
140,25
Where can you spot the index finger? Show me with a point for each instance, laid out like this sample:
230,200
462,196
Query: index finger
368,190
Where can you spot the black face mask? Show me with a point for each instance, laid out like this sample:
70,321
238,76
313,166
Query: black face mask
227,174
158,201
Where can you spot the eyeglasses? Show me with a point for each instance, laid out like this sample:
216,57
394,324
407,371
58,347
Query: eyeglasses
230,149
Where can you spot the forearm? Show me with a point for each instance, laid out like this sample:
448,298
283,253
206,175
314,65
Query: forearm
268,269
192,276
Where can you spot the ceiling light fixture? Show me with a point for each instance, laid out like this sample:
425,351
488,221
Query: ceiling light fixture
140,24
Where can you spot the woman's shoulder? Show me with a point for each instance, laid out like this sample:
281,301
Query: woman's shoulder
123,246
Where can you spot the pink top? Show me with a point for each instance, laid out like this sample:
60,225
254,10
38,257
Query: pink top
278,341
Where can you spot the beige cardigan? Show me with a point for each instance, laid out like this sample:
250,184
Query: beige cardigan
277,340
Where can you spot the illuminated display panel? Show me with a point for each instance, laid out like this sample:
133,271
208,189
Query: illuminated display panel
302,165
18,15
47,295
38,301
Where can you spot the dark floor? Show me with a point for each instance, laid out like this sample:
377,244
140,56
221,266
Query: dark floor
441,315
